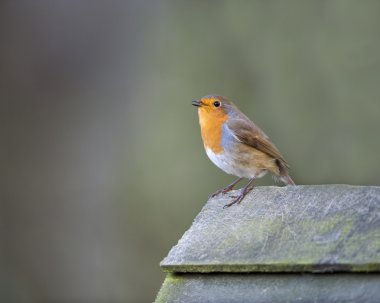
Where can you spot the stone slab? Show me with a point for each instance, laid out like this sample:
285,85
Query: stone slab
322,228
273,288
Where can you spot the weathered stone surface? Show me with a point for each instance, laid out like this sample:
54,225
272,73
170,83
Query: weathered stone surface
284,229
272,288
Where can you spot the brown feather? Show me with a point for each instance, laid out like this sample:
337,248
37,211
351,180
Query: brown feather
248,133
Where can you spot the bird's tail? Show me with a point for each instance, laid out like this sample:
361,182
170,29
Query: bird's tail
284,175
286,179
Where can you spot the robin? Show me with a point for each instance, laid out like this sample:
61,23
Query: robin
237,146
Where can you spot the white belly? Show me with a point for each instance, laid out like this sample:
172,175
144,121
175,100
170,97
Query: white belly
228,164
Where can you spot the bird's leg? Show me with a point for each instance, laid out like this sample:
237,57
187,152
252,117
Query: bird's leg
246,189
226,189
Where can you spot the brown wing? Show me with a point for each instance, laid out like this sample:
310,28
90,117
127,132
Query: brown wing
248,133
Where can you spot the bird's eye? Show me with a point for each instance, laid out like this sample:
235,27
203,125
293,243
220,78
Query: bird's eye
216,103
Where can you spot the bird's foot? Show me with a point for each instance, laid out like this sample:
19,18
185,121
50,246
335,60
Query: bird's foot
222,191
240,197
226,189
237,200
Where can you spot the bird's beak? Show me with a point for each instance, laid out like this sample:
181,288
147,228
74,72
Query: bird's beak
197,103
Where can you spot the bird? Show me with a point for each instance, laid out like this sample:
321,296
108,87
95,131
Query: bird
237,146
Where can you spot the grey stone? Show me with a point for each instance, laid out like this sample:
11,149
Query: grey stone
273,288
284,229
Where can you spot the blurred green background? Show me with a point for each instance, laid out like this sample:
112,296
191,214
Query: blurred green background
102,164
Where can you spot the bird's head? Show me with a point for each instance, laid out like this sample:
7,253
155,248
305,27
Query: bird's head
213,107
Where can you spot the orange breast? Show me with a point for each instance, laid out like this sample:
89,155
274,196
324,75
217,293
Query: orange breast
211,129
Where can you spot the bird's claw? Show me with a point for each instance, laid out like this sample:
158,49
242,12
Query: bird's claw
225,190
237,200
222,191
240,197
